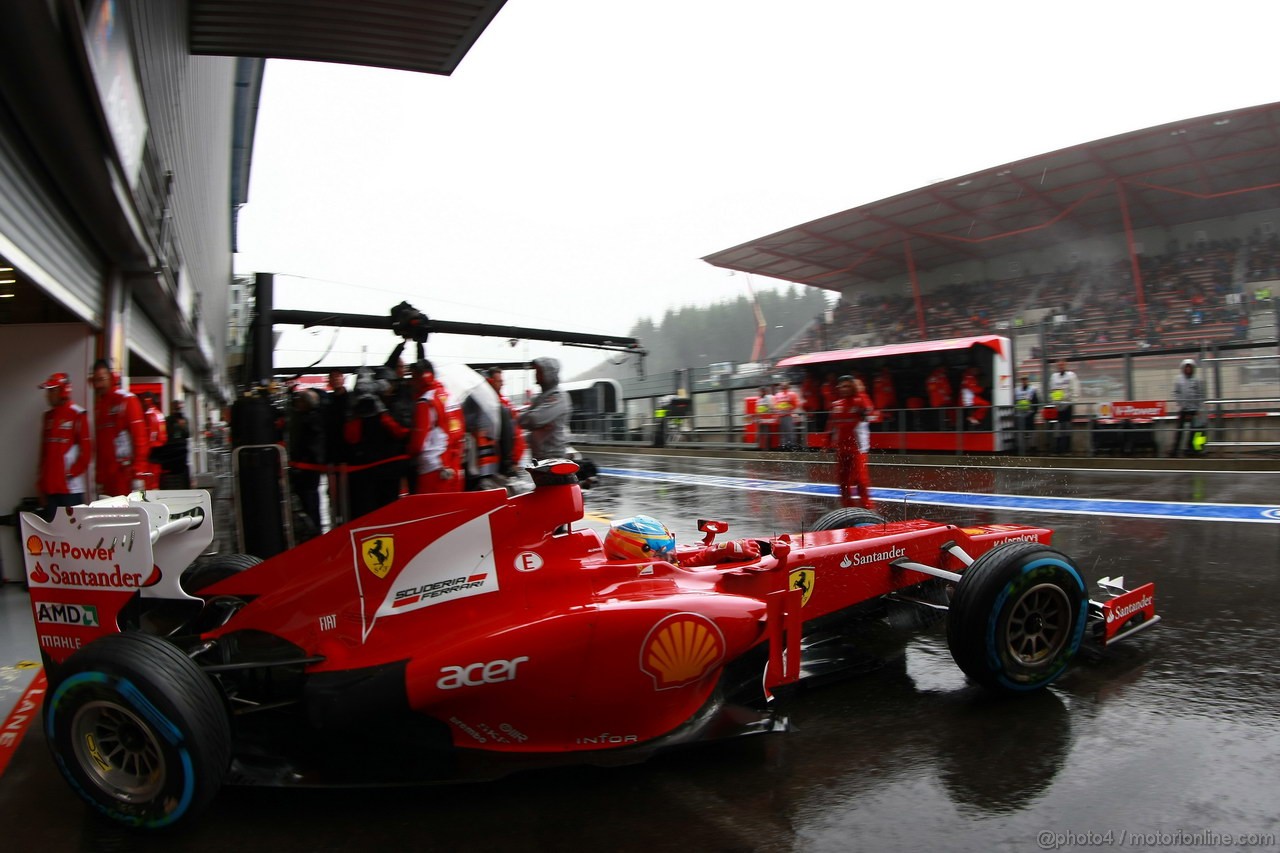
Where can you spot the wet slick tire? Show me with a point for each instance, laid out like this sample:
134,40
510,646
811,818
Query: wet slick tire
1017,617
138,730
839,519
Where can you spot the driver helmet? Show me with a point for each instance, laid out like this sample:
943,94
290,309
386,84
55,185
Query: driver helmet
640,537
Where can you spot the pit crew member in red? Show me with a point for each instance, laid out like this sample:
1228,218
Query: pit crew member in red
848,411
157,437
938,387
975,405
883,392
430,445
512,445
120,434
64,448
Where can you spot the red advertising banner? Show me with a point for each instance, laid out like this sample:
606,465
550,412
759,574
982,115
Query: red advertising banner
1136,409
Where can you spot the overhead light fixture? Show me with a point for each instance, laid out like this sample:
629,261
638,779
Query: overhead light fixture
7,290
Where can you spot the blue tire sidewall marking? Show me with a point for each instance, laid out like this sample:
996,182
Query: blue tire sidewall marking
128,692
993,655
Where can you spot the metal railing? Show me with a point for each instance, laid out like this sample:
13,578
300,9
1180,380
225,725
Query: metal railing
1241,422
1233,427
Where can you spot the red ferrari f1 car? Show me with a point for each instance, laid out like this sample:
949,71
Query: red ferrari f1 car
454,637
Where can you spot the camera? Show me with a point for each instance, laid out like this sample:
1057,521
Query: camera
409,323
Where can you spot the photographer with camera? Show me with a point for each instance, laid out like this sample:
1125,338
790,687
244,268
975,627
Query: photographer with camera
375,444
547,418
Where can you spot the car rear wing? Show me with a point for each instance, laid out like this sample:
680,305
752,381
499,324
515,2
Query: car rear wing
87,564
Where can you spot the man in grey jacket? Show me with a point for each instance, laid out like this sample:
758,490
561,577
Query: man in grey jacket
1188,396
547,418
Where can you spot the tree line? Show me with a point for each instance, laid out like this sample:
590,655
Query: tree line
695,336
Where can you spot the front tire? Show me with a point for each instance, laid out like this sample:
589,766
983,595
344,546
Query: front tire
138,730
1017,617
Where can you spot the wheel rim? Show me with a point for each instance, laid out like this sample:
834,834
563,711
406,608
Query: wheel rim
118,752
1039,625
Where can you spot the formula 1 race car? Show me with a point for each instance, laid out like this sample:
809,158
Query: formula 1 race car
448,637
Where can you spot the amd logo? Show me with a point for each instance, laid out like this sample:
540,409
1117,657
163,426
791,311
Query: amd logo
473,675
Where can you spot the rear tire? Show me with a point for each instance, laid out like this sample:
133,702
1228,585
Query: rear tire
139,731
839,519
1017,617
206,571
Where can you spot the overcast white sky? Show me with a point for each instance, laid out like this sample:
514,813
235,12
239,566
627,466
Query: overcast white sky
587,153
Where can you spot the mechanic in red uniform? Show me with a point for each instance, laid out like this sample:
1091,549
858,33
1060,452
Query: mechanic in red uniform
827,391
810,401
431,445
157,437
938,386
120,433
975,405
512,445
64,448
849,410
884,395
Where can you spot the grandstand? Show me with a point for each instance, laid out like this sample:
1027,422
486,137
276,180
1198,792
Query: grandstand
1155,244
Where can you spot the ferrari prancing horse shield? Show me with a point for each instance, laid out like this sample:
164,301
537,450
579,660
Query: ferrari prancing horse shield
802,579
379,553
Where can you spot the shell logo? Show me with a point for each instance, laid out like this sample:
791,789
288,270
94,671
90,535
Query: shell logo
681,649
34,546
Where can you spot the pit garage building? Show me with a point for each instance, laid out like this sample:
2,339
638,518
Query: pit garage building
126,136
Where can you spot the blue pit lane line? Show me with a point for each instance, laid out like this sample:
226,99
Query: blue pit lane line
1020,503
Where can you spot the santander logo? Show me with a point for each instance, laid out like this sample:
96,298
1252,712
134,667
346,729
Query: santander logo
1129,609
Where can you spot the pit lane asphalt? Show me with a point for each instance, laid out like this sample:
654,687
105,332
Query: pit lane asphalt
1175,734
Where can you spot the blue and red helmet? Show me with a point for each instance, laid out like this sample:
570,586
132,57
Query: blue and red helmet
640,537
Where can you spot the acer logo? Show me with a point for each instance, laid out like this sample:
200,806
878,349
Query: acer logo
473,675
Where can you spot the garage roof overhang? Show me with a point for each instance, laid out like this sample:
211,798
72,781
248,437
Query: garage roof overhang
1198,169
429,36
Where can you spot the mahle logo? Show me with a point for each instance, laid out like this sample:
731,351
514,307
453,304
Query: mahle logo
82,615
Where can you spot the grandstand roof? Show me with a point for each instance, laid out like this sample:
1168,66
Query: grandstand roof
429,36
1201,168
991,342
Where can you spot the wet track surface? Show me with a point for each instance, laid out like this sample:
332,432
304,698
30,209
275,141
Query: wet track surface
1173,735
